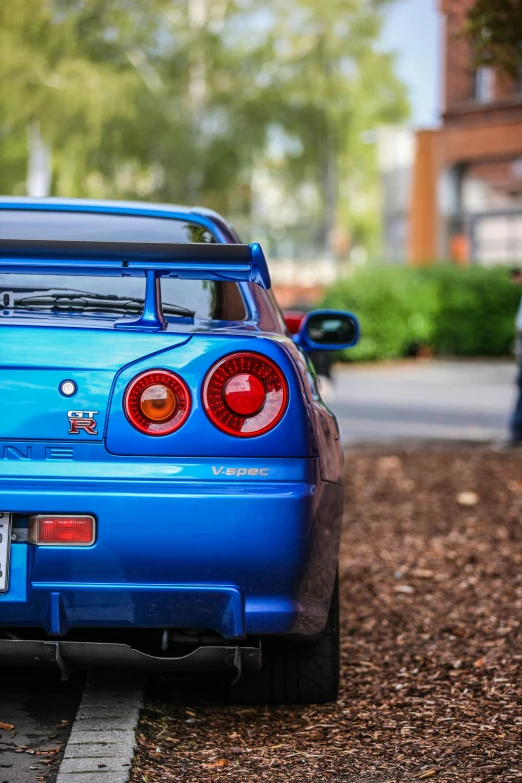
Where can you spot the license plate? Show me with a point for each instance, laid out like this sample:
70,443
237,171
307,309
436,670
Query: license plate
5,548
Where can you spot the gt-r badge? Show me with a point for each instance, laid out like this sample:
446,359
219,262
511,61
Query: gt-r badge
82,420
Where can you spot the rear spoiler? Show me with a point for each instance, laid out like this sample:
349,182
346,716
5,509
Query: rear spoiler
198,261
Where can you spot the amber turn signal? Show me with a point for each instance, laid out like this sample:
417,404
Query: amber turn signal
157,402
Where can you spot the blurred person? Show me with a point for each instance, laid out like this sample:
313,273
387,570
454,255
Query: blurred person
459,246
515,439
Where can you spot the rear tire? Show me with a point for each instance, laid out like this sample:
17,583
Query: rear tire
296,672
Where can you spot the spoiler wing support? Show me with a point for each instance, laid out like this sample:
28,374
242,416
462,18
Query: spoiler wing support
151,318
220,262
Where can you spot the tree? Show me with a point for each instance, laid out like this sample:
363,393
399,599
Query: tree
136,98
60,70
333,84
176,100
494,28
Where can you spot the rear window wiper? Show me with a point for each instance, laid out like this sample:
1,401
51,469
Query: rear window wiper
71,299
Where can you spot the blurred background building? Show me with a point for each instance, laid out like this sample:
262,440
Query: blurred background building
466,201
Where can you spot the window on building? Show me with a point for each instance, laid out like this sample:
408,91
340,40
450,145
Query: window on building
484,85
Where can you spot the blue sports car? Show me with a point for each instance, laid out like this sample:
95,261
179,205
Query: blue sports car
171,482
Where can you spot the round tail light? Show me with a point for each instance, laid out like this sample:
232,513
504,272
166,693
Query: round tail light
157,402
245,394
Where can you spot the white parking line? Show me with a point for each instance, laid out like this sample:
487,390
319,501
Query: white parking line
102,741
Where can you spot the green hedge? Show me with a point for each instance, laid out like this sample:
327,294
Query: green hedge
452,310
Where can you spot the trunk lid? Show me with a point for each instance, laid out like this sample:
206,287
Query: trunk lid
35,360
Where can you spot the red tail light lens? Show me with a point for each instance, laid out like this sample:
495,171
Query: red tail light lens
245,394
74,530
157,402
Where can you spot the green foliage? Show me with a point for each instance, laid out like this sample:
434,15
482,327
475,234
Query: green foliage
476,312
394,306
494,28
453,311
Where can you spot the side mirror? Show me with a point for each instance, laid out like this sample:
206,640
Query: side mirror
328,330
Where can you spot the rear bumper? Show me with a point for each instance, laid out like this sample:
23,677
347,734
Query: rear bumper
177,546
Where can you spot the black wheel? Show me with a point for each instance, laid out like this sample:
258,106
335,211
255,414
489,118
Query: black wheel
296,672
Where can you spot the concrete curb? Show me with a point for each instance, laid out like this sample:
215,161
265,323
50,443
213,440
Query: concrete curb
102,741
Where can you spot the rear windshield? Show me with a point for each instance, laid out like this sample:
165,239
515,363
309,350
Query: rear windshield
97,227
206,299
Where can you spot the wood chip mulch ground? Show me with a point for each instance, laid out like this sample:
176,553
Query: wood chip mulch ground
431,585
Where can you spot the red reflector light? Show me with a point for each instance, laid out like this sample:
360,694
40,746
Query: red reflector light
245,394
293,319
157,402
77,530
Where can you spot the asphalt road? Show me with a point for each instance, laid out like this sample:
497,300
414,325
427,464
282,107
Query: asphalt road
41,709
442,400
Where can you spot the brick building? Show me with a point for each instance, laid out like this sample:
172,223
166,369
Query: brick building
467,178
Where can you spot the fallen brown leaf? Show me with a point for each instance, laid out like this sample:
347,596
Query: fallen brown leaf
467,498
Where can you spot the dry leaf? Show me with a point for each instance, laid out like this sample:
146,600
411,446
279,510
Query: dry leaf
428,774
6,726
406,589
467,498
389,462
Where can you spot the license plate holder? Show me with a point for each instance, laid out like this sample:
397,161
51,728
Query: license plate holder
5,549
